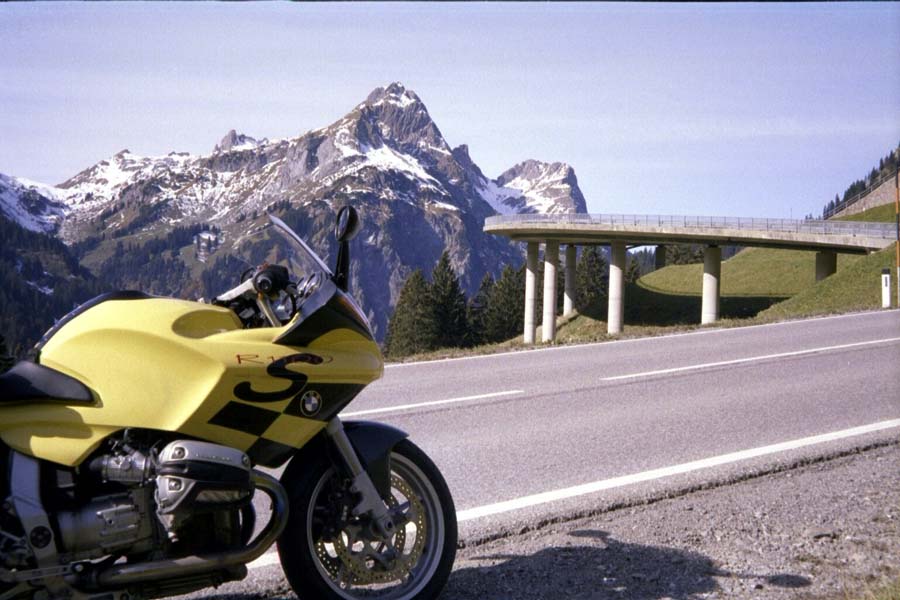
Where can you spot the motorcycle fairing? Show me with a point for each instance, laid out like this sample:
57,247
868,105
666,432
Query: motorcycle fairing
117,295
179,366
328,308
28,381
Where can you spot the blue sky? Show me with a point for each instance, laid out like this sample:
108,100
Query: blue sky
735,110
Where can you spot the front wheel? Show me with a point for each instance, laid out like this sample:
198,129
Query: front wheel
326,552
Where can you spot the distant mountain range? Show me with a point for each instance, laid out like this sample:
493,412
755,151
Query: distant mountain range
167,224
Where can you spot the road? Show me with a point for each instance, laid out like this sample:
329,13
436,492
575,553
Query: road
581,414
534,436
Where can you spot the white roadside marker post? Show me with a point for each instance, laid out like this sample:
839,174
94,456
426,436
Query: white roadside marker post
885,288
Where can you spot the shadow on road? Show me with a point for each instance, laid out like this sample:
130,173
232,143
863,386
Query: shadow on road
600,567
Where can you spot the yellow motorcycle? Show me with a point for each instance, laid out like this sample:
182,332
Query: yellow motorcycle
132,445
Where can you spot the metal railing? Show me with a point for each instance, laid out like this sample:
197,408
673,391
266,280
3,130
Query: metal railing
817,227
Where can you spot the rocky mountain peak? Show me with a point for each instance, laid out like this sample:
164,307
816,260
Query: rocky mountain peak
461,155
395,93
402,120
551,187
235,141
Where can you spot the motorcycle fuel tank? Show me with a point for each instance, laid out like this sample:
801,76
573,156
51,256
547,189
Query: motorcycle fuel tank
188,367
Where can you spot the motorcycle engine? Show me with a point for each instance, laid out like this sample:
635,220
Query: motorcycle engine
200,494
195,478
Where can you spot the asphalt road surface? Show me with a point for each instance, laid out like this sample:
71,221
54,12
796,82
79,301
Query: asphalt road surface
531,437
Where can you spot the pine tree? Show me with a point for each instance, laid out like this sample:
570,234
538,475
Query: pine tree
6,361
413,327
591,280
449,304
505,310
477,307
633,272
683,254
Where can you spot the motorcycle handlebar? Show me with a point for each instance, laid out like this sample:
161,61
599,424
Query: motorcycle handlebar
237,291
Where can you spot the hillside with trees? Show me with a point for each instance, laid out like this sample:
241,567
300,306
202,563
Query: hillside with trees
887,167
40,280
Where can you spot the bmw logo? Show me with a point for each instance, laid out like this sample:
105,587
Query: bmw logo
310,403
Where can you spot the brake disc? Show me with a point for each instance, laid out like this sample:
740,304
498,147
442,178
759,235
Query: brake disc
361,561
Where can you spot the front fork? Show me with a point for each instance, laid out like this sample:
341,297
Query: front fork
370,503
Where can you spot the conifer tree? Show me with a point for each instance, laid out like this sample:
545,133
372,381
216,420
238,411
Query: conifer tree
477,308
449,304
683,254
633,272
6,361
413,327
505,310
591,280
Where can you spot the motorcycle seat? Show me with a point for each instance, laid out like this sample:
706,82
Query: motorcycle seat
31,382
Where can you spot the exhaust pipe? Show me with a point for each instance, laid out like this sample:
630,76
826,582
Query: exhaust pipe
118,576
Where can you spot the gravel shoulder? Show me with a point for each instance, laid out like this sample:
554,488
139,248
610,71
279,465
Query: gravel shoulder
824,530
829,530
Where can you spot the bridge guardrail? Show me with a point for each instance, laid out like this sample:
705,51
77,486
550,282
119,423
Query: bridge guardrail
819,227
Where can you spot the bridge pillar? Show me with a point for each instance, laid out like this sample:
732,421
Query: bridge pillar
826,264
569,295
551,259
615,319
531,267
712,268
660,256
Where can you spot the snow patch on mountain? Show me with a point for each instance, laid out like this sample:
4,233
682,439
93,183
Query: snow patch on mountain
501,199
32,205
385,157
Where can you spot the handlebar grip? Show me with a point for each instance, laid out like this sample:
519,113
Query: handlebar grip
271,279
264,283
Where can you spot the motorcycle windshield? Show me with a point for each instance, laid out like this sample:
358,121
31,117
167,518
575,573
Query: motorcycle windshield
302,261
327,307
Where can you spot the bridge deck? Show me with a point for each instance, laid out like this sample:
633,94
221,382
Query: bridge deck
842,236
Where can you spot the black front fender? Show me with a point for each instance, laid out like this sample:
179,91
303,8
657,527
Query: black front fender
373,443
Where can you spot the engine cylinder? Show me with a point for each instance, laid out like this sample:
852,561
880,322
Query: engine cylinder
194,477
106,525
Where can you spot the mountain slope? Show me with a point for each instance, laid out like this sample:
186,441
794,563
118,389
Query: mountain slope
30,205
40,280
416,196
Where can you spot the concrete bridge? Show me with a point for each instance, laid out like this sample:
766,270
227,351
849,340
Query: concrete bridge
827,238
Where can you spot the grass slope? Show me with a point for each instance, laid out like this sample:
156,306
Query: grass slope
885,213
757,285
856,287
753,272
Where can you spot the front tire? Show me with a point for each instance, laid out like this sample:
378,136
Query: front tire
329,554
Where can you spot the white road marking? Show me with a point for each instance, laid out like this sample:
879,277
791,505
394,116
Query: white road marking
271,558
403,407
529,350
706,463
738,361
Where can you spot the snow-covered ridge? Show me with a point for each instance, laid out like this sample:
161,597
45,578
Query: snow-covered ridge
534,187
390,132
32,205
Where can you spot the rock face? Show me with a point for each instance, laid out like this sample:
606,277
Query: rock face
387,157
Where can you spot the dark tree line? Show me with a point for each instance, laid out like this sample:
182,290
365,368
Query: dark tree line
436,314
887,165
40,280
